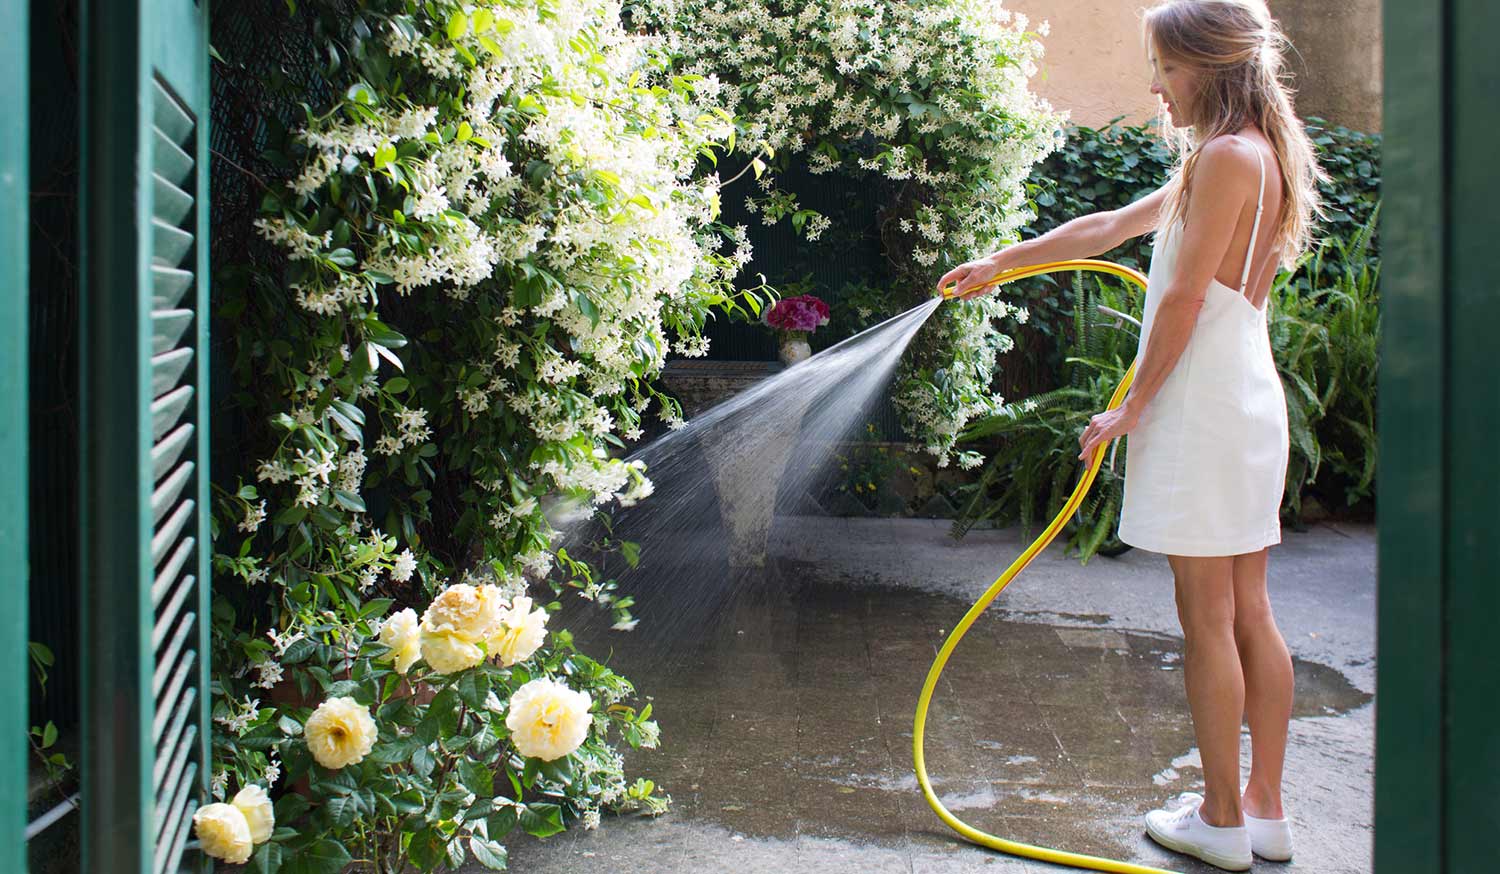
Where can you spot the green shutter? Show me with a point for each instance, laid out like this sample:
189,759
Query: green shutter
145,429
14,566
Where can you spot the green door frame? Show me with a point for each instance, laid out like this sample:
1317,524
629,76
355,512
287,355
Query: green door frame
14,564
1437,796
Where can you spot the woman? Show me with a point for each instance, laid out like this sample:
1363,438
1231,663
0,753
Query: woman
1206,413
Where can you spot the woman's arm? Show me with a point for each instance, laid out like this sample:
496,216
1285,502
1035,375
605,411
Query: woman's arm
1082,237
1223,180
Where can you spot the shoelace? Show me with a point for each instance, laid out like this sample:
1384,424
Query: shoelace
1188,806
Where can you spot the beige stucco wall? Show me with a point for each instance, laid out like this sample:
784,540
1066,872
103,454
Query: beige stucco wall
1095,66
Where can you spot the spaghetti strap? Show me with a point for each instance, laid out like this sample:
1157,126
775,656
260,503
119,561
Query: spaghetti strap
1260,200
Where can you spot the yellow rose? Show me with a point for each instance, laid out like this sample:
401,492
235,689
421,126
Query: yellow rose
253,802
223,832
520,633
449,653
547,720
340,732
401,634
463,610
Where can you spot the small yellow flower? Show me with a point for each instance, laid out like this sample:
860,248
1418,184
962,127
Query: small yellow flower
547,720
401,632
469,612
253,802
521,632
340,732
223,832
448,653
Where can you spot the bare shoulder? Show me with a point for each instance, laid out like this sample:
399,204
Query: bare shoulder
1228,163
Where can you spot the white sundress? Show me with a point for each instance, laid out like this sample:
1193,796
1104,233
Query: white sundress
1205,467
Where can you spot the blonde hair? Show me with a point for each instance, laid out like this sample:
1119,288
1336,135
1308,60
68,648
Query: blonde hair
1237,49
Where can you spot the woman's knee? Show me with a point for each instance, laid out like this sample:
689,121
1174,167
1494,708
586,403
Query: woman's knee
1205,595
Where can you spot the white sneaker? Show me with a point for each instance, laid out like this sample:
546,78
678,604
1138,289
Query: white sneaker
1183,830
1270,839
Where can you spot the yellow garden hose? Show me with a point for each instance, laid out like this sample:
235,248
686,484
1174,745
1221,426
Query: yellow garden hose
1015,848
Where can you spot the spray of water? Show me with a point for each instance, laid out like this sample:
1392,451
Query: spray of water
719,480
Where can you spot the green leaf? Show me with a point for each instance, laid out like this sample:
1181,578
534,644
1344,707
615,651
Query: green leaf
488,853
428,847
396,751
267,858
349,500
631,551
500,823
473,688
384,156
477,777
361,94
458,25
290,807
341,810
325,856
542,819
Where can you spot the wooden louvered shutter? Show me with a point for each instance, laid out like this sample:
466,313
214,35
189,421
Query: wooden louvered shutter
144,445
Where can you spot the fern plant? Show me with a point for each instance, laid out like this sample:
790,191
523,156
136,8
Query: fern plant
1034,463
1326,343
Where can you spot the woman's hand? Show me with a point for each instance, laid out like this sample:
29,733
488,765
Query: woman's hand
1105,427
970,277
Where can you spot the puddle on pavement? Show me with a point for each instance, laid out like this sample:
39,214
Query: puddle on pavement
793,718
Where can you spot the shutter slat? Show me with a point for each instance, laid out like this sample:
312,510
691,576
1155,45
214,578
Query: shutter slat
167,409
168,160
167,327
173,850
171,740
171,119
174,689
168,574
169,245
169,531
168,660
172,608
169,203
167,370
168,285
166,453
170,809
175,749
166,494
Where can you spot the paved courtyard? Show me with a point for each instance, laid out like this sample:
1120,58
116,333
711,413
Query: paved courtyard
786,729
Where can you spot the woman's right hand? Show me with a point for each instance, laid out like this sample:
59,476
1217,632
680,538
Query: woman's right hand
969,278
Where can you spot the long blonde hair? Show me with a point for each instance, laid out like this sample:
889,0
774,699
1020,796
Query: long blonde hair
1236,47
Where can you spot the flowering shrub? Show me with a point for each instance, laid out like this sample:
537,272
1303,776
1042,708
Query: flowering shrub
802,314
928,100
431,766
491,236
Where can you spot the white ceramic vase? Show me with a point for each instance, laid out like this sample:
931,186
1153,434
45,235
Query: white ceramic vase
794,349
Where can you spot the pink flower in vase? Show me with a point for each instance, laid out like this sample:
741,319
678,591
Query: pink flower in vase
802,314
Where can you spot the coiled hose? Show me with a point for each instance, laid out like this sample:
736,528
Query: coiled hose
1016,848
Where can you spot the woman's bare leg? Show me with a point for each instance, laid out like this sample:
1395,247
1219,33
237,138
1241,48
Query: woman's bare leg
1215,681
1268,684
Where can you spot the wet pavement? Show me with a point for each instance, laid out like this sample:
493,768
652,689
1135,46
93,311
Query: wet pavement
1061,718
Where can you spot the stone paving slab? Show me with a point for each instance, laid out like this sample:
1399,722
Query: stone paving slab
786,738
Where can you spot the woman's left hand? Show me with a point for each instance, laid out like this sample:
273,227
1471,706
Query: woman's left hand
1105,427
